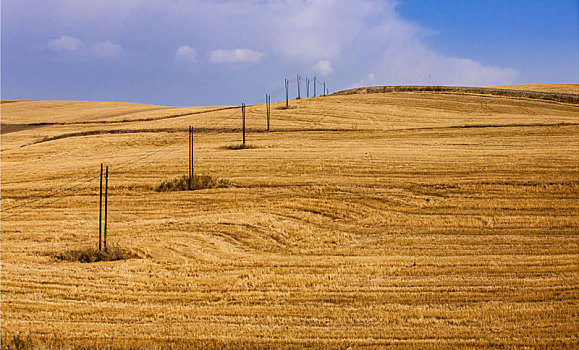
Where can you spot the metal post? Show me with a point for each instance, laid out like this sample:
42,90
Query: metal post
106,201
101,208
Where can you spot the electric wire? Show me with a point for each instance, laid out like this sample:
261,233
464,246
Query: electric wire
86,179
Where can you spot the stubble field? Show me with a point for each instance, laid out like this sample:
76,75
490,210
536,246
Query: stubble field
404,219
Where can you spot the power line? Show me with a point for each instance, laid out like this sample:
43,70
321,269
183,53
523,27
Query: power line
53,193
74,188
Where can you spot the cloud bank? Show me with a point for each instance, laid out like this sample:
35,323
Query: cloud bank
326,37
344,43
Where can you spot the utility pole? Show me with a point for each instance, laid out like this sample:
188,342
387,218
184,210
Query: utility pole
315,86
101,209
267,107
191,156
298,80
243,121
106,201
286,93
189,170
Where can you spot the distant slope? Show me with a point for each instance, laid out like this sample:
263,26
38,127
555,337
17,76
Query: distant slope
83,111
552,96
558,88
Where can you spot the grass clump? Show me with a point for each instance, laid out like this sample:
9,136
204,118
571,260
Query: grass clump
240,146
198,182
90,255
16,341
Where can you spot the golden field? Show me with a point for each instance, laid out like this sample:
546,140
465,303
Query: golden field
403,220
558,88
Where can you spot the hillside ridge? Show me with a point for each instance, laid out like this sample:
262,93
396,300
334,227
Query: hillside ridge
543,95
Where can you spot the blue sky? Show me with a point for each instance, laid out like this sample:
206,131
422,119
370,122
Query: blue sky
225,52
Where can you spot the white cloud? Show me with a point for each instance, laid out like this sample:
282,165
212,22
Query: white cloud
107,49
323,67
307,36
369,80
186,53
413,64
65,43
235,56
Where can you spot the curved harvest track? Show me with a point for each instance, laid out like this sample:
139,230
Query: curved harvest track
408,219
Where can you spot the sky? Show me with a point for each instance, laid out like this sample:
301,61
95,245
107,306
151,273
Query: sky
228,52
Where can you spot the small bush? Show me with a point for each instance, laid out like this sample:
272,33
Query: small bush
16,341
90,255
198,182
239,146
283,107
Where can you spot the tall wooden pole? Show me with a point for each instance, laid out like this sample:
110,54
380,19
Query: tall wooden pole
190,157
101,208
192,153
267,101
298,82
243,121
269,108
286,93
315,86
106,201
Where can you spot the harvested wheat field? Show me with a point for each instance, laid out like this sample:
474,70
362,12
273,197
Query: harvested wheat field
405,219
558,88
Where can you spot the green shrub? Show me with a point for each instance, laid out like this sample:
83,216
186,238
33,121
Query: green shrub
240,146
198,182
16,341
90,255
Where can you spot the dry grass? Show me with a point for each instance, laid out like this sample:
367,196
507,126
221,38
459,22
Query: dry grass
405,220
557,88
92,254
197,182
552,95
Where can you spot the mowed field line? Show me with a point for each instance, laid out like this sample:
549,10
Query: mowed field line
409,230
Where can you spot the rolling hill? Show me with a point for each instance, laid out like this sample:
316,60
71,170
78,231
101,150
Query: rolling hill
409,219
